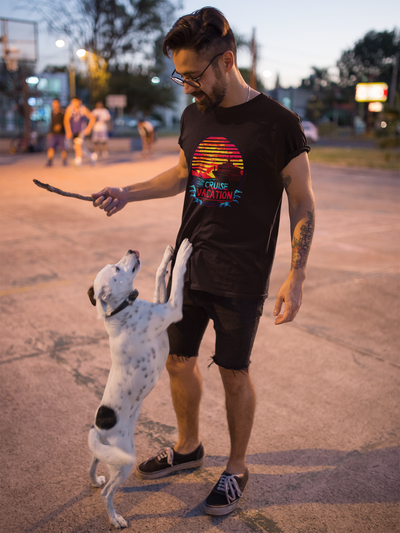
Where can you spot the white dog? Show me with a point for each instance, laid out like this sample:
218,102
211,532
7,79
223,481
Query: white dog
139,350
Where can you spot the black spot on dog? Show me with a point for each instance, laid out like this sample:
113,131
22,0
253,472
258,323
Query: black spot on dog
145,375
105,417
144,368
129,392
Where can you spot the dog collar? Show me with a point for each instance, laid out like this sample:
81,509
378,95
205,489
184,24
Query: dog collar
128,301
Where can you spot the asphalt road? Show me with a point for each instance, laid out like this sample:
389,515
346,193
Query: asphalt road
324,453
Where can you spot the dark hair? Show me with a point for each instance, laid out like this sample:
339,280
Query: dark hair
203,30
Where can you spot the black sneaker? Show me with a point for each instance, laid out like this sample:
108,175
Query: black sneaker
166,461
49,163
225,496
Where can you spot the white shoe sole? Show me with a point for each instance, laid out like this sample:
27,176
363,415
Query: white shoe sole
220,511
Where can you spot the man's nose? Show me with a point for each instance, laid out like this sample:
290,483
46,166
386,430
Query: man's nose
189,89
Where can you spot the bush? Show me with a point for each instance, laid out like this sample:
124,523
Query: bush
389,142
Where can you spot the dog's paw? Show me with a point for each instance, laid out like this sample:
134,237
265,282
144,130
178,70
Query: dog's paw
184,252
100,480
118,521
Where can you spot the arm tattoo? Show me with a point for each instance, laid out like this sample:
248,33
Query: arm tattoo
286,181
301,246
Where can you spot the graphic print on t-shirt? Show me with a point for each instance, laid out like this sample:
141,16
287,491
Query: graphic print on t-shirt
217,173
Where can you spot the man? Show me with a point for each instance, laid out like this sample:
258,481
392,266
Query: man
146,132
78,123
56,136
239,150
100,129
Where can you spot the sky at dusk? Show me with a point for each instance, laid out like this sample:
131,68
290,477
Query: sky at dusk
293,36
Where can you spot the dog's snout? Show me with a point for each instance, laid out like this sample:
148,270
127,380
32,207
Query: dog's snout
134,252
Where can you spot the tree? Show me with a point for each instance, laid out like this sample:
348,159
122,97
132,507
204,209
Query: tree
142,95
372,59
113,31
108,28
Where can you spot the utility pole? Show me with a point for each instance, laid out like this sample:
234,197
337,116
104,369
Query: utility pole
395,71
253,52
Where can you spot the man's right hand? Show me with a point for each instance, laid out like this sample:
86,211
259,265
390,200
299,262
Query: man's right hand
111,199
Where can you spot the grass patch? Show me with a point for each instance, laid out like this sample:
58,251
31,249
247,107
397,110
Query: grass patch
356,157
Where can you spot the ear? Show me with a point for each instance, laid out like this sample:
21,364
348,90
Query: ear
103,294
90,293
229,60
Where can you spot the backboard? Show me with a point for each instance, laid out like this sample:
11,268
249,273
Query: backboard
19,41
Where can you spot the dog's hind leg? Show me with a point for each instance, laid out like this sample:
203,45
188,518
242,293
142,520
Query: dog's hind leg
117,476
97,481
160,292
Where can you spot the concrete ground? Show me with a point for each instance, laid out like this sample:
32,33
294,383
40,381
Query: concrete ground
324,453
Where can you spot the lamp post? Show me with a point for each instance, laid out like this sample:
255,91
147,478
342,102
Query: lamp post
60,43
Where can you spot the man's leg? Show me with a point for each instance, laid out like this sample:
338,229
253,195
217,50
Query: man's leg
50,155
186,390
240,401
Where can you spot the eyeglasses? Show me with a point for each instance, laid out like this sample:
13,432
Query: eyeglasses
195,81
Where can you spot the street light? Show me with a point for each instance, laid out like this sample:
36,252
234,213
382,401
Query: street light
60,43
81,52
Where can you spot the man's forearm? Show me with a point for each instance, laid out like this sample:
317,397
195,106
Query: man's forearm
302,221
169,183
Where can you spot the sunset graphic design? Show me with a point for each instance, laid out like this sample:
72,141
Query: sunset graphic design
217,173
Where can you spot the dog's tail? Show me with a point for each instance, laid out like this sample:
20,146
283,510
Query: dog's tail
108,454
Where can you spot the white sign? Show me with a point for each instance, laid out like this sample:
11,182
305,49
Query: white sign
116,100
375,107
371,92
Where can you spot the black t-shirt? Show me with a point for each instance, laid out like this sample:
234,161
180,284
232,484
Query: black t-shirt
234,191
57,123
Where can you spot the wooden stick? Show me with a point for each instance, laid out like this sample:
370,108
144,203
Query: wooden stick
50,188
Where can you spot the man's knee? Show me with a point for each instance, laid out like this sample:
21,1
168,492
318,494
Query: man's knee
179,365
235,381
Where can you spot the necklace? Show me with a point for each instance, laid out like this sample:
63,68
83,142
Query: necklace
248,93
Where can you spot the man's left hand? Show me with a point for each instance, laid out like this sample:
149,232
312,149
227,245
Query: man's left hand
290,294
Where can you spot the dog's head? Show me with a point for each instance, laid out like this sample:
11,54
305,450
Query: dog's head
114,283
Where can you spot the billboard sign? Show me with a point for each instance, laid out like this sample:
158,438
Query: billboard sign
371,92
116,100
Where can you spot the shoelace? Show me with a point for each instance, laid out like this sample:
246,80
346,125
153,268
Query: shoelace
229,485
161,454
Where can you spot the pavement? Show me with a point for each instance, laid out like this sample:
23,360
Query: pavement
324,452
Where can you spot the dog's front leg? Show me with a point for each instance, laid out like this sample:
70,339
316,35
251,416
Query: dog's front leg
160,292
176,297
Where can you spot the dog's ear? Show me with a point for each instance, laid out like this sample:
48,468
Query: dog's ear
90,293
103,295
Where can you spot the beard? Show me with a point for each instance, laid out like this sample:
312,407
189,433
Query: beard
212,100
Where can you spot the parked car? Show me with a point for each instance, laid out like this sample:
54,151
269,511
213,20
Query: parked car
125,122
311,131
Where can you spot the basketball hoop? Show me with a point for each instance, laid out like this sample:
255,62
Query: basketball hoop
10,56
18,39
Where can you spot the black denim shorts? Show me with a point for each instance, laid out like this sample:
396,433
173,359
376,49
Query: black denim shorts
235,323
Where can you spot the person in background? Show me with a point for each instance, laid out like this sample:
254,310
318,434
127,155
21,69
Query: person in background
100,129
78,123
146,132
56,135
